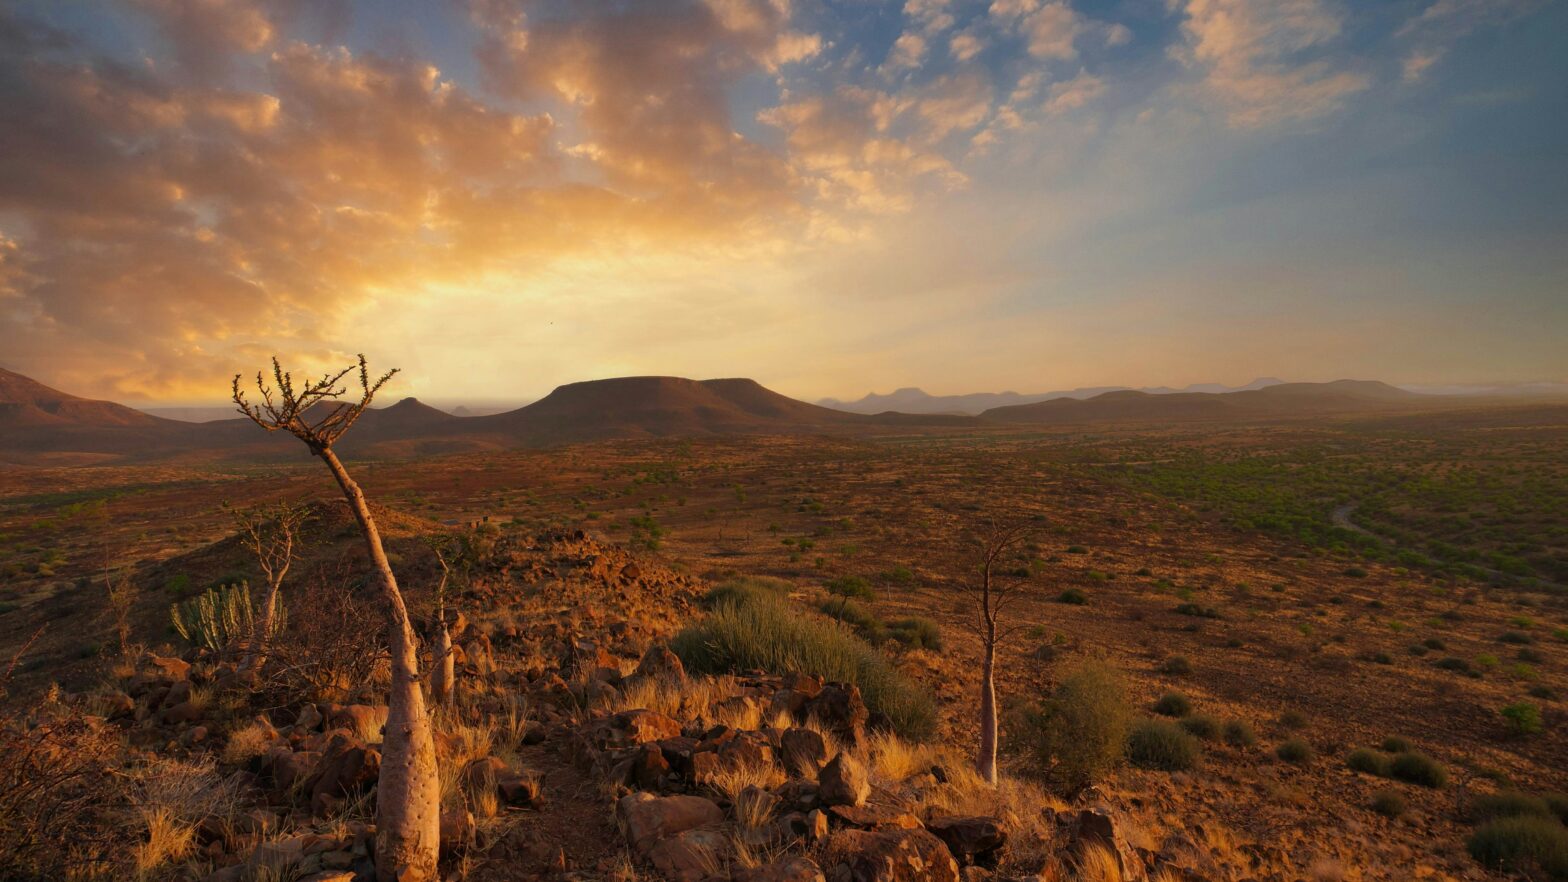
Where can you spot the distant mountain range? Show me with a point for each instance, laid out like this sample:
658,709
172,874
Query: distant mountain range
912,400
40,424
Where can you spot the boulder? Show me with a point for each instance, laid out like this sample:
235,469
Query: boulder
1096,827
660,663
868,817
841,710
803,751
891,856
348,766
457,830
690,856
843,781
791,869
644,818
973,839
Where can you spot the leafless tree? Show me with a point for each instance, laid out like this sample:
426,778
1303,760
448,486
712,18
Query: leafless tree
443,680
271,533
993,591
408,794
120,591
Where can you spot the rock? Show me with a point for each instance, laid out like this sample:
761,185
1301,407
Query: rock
118,706
648,767
793,869
1096,827
364,720
816,825
166,668
512,787
347,766
660,663
891,856
184,712
645,818
193,735
331,876
309,717
642,726
841,711
803,751
690,856
868,817
973,839
843,781
289,766
457,832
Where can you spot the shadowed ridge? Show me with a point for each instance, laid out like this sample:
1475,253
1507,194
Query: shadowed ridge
27,402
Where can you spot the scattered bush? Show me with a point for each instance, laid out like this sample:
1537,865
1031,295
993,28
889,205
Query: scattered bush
1295,750
1202,726
1176,664
1073,597
1557,803
917,633
1198,610
1173,704
1238,733
765,632
1395,744
1367,761
863,621
1508,804
1523,718
1157,744
851,586
745,588
1417,768
1388,803
1293,720
1521,843
1078,734
1517,638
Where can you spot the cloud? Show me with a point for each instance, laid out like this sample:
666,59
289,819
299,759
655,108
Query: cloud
965,45
1266,62
1433,32
1049,29
1073,94
907,52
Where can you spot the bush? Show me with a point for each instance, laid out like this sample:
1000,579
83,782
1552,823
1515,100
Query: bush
1388,803
1157,744
1520,843
1417,768
1073,597
1238,733
1367,761
851,586
917,633
1508,804
1202,726
1173,704
1557,803
1395,744
746,588
219,619
1523,718
1078,734
1198,609
1293,720
1176,664
767,633
1296,750
863,621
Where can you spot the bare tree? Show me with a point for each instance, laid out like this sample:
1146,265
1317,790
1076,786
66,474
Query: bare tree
408,794
271,533
993,592
121,593
443,677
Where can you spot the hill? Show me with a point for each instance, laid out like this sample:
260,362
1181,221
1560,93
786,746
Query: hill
1281,401
25,402
912,400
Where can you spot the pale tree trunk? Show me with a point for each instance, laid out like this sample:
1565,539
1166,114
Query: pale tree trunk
985,762
408,795
443,680
261,631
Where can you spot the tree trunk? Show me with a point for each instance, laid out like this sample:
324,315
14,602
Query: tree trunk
985,763
261,631
443,680
408,795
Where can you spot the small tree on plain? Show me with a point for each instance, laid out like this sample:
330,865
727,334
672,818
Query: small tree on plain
993,592
443,678
408,793
271,534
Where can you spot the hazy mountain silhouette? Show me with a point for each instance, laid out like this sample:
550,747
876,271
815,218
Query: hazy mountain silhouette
913,400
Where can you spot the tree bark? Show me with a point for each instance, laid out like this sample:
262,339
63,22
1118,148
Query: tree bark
985,763
408,795
443,680
261,631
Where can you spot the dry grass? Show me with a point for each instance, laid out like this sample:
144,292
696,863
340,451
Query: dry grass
169,839
247,743
753,809
368,728
891,759
745,714
732,780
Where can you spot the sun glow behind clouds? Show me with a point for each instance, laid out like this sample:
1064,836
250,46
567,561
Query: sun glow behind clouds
956,194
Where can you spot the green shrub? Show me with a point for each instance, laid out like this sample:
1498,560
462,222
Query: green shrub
1293,720
1517,638
1073,597
1523,718
1197,609
765,632
1388,803
1078,734
851,586
1173,704
1238,733
1157,744
1395,744
1176,664
917,633
1521,843
1417,768
219,619
1508,804
1295,750
1201,726
1367,761
744,588
1557,803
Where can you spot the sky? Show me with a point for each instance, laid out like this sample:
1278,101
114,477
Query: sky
501,196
